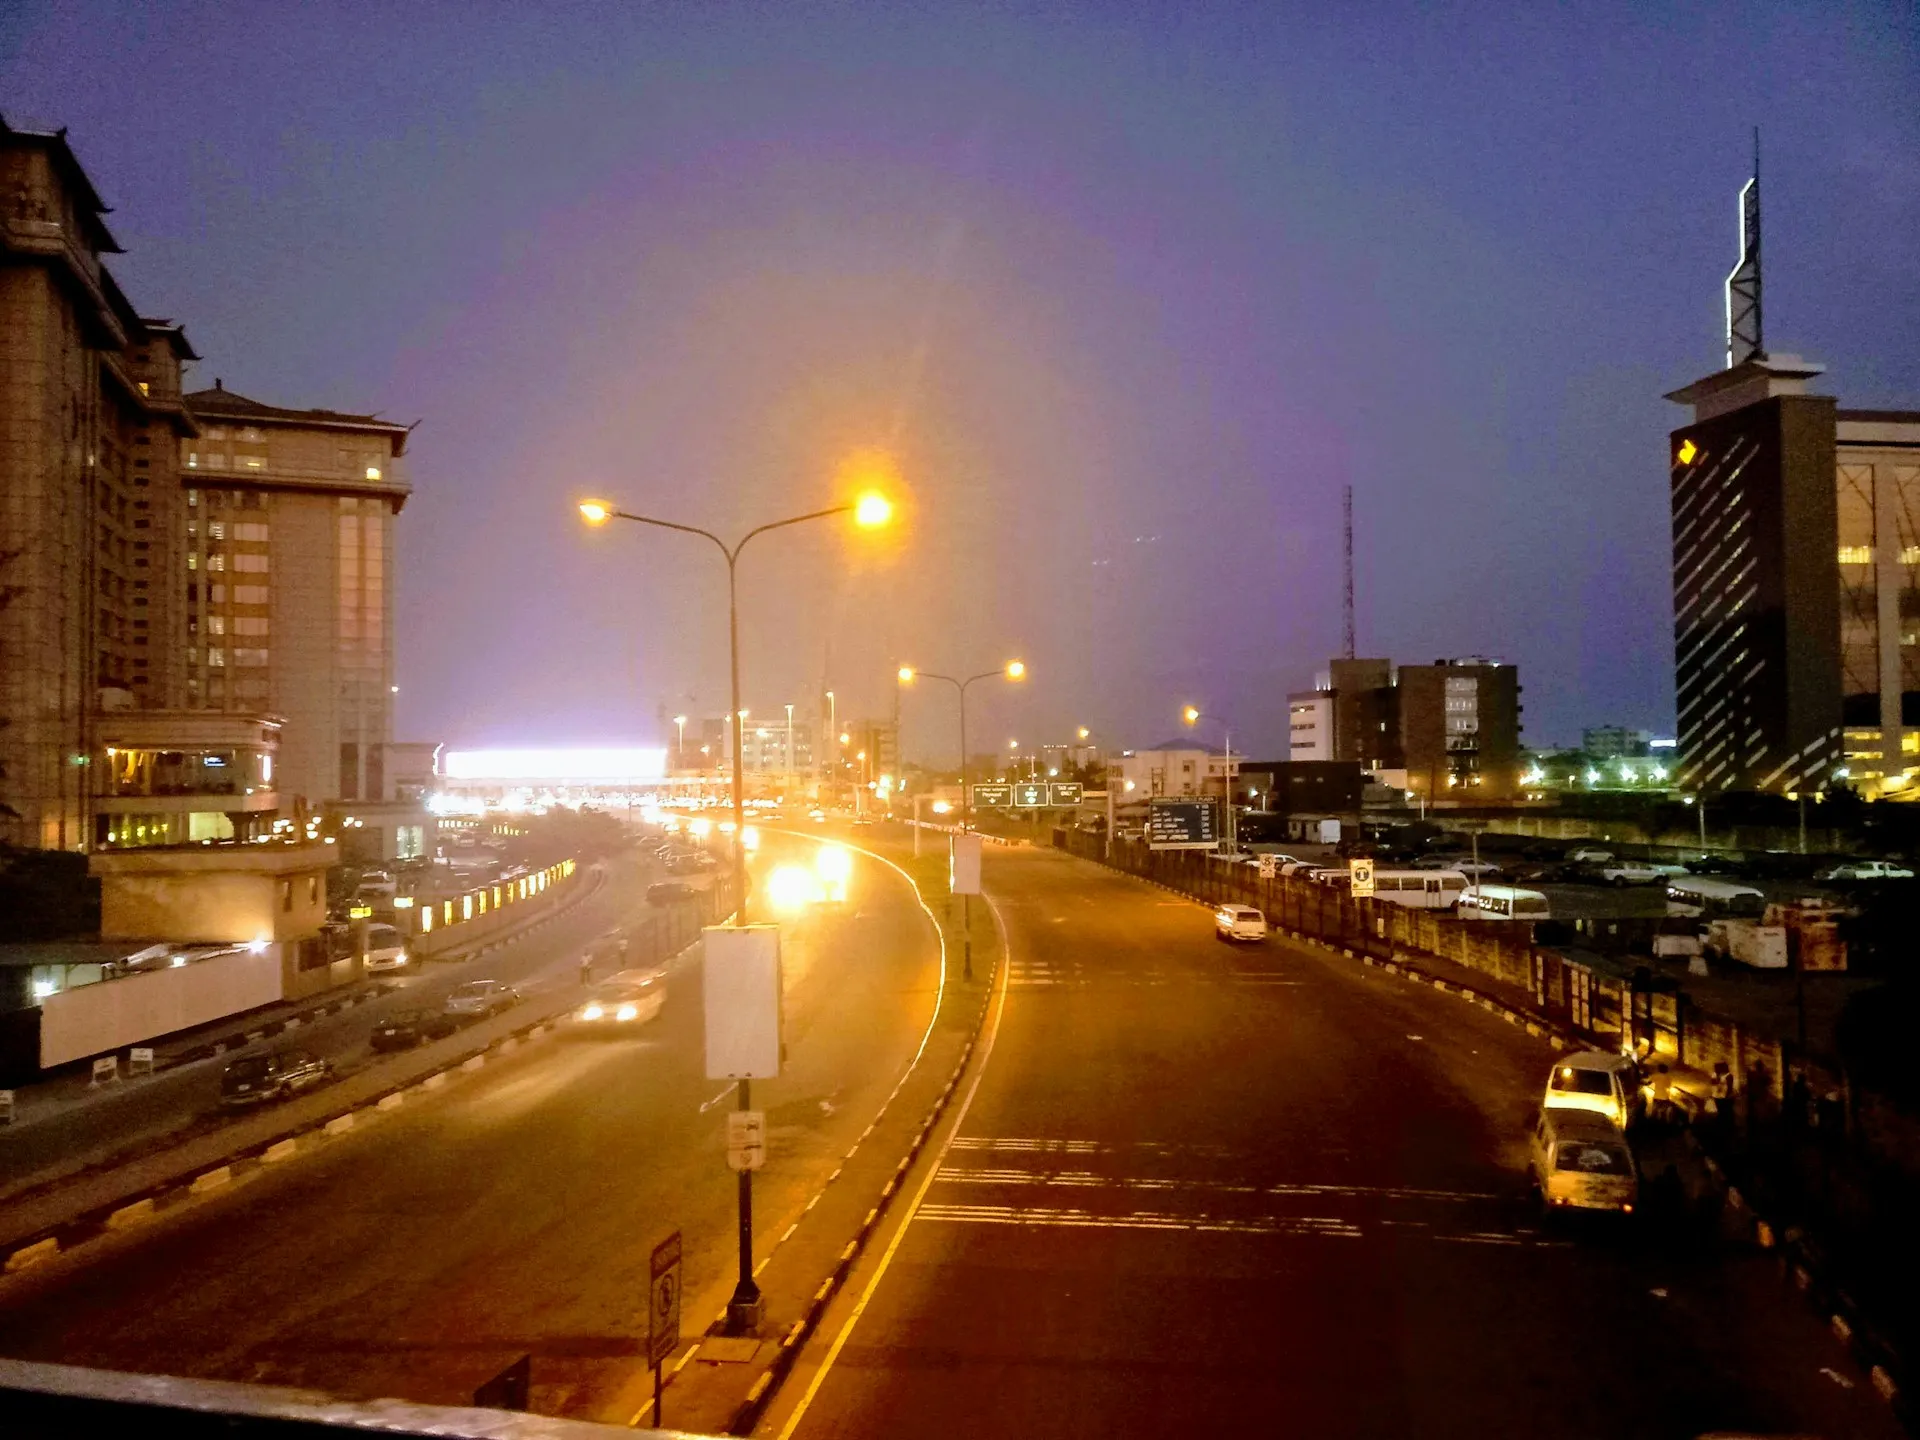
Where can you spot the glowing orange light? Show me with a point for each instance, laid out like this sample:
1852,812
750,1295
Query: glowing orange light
595,512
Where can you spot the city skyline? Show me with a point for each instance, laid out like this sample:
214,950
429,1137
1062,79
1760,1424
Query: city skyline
1010,278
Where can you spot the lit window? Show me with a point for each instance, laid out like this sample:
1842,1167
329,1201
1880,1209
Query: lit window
216,562
373,472
216,624
1856,554
1910,555
217,529
216,656
193,560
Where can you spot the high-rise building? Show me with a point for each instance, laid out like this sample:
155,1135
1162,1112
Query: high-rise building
288,583
1796,584
90,420
1460,727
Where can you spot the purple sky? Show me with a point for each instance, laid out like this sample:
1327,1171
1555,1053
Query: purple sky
1130,289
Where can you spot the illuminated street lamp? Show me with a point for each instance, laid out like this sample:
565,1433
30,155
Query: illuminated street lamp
1193,715
1012,670
869,511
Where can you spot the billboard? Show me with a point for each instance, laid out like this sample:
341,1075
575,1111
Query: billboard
1186,824
740,972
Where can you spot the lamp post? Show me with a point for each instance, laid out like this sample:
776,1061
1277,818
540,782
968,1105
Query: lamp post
788,779
870,511
680,742
830,766
1193,716
1012,670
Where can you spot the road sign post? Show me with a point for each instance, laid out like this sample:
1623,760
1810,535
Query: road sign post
1181,824
1361,872
1269,866
663,1313
746,1139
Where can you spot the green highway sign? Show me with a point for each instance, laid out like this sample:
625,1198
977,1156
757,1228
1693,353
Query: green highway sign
1065,792
1031,794
997,795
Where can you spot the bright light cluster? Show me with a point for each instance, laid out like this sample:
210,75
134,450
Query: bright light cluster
577,766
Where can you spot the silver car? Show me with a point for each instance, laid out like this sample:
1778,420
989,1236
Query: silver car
479,998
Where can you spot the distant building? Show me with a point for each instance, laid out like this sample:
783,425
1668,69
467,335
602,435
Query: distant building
777,748
289,582
1366,713
1460,727
1173,768
1615,742
1299,787
1310,725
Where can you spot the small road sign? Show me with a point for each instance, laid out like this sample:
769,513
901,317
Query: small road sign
663,1308
746,1139
1269,866
1362,874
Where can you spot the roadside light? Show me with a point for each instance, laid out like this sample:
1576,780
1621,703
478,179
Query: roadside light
595,512
906,674
750,837
845,738
941,807
700,828
1013,744
1130,787
1084,732
833,863
1191,715
1016,670
872,510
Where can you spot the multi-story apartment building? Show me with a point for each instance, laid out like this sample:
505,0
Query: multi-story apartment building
288,583
91,418
1460,727
1796,574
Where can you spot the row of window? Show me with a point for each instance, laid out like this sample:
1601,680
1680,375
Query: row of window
1863,555
218,561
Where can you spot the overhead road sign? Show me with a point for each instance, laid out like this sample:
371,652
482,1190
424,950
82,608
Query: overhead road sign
1181,825
995,796
1030,795
1065,792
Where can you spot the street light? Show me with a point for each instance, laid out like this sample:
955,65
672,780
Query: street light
1193,715
869,511
1012,670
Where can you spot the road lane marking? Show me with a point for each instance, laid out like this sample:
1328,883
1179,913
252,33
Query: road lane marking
920,1195
1084,1178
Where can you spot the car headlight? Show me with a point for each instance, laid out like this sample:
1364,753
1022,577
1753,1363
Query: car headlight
592,1012
626,1012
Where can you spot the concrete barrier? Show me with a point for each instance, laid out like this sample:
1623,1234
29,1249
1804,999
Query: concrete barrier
210,1180
340,1124
280,1150
33,1254
136,1213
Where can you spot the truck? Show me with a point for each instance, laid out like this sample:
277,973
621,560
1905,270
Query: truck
1763,947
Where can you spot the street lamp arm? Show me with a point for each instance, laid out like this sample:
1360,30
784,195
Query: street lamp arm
734,553
675,525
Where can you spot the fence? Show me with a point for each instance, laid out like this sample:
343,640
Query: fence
1807,1145
444,923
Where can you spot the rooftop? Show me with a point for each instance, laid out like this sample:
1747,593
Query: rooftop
222,403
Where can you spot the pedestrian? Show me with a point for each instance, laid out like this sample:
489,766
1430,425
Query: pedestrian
1662,1094
1720,1103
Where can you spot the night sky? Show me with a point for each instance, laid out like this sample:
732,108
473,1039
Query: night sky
1130,291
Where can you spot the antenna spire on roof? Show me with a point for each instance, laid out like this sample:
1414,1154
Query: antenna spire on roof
1745,339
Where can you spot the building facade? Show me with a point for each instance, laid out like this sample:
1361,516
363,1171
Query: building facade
1170,769
1460,728
1310,727
288,583
90,422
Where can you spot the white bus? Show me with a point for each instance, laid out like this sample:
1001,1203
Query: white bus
1419,889
1503,902
1710,899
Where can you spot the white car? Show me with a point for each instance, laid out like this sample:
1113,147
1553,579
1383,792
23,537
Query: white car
1631,872
1239,922
386,950
1866,870
624,1001
1588,855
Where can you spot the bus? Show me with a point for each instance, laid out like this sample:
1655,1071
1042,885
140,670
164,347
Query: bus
1503,902
1419,889
1702,897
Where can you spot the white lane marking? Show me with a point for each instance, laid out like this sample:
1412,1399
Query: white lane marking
1008,1176
919,1196
1314,1225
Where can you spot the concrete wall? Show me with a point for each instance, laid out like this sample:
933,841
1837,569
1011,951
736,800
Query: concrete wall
94,1019
231,907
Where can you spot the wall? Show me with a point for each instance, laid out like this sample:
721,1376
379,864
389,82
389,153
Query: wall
215,906
94,1019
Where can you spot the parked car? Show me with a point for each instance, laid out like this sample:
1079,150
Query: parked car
1631,872
386,950
1865,870
1716,865
276,1075
670,892
1580,1161
1239,922
1473,869
1595,1080
405,1029
1588,855
480,998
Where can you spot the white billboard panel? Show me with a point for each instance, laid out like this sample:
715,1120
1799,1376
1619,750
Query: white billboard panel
963,865
740,971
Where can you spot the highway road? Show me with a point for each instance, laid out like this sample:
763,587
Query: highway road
513,1212
185,1099
1265,1190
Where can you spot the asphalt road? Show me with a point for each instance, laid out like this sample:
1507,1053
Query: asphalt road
1266,1191
514,1212
186,1098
